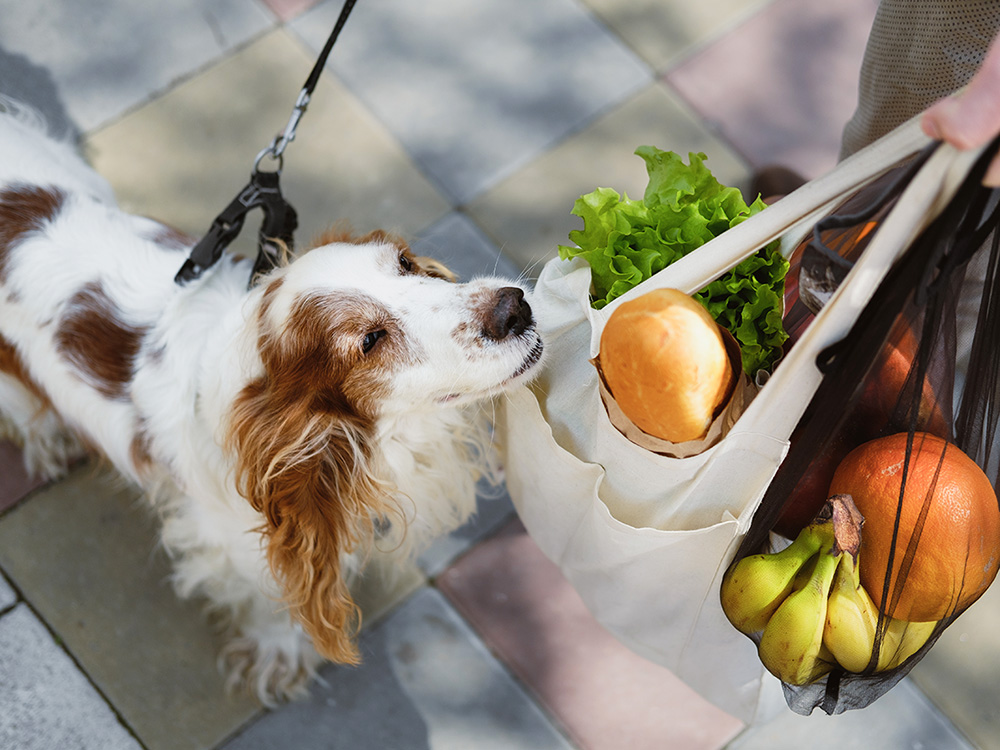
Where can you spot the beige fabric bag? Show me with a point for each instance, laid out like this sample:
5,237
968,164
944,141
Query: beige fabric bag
643,538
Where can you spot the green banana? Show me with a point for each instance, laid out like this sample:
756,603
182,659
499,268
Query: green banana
755,586
851,618
902,640
792,640
809,606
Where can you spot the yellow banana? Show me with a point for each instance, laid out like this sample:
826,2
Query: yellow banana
902,640
851,619
755,586
793,638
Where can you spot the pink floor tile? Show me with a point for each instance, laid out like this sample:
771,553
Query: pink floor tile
286,10
14,482
782,86
606,697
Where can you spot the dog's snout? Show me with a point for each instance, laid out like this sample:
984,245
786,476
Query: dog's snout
509,314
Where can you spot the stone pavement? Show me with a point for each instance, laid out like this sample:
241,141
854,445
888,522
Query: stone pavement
470,128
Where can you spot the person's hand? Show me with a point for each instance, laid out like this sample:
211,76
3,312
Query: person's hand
971,117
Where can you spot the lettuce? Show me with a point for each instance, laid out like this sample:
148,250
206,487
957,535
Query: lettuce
626,241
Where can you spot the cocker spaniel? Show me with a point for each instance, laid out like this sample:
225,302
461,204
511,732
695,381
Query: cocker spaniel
281,432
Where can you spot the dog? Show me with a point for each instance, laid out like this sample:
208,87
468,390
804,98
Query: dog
283,432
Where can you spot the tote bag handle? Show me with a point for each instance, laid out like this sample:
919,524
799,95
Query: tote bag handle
778,407
803,208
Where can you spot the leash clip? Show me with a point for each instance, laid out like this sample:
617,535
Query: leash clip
277,146
280,219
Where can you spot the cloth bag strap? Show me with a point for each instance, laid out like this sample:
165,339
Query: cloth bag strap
921,202
778,407
800,209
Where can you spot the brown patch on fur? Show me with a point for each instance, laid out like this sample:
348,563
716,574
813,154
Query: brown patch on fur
94,339
12,364
25,209
342,232
302,436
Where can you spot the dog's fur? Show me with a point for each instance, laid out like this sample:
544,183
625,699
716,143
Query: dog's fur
281,433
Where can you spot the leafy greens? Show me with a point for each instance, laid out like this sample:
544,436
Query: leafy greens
626,241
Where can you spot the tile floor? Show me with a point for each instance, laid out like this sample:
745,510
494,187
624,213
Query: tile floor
471,128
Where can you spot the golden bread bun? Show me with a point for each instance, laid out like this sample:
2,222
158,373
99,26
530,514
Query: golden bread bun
665,362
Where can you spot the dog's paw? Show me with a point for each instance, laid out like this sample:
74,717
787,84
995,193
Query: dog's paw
271,673
48,446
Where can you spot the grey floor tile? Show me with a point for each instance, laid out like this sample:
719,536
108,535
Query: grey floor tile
74,63
45,701
427,684
475,90
529,213
7,595
902,719
960,673
665,32
181,158
383,586
83,554
456,241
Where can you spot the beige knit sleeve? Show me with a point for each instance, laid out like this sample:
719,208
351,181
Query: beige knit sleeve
918,52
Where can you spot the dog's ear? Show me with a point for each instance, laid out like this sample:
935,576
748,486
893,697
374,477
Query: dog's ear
306,469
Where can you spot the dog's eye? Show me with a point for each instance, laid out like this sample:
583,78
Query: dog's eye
405,263
370,339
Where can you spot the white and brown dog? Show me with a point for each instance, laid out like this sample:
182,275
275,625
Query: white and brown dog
278,432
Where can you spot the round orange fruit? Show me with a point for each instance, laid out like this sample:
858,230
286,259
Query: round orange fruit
890,382
948,548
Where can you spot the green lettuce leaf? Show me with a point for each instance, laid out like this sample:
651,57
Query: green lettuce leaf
626,241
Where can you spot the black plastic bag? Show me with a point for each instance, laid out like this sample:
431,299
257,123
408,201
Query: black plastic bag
906,369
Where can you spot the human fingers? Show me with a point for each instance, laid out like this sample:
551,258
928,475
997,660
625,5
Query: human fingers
972,117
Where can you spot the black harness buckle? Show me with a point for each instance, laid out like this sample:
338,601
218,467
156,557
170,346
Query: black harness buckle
277,229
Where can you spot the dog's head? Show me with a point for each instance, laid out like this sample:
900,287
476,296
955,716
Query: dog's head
351,333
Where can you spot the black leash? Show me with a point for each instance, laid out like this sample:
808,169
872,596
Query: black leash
263,191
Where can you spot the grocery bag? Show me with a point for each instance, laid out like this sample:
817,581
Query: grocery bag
645,538
902,432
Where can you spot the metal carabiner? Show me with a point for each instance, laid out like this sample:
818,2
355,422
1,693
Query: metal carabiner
269,151
293,123
277,146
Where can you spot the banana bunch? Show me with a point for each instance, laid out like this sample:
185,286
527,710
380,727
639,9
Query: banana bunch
809,606
852,626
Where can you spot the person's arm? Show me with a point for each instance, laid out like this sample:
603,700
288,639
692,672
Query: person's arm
971,117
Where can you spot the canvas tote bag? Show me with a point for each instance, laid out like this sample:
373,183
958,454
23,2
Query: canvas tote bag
645,538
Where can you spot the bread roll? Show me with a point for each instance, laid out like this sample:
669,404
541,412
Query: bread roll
665,362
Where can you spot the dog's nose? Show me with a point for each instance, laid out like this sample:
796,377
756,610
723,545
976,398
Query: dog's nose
510,314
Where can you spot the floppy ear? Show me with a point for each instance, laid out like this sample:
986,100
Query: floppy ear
304,464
